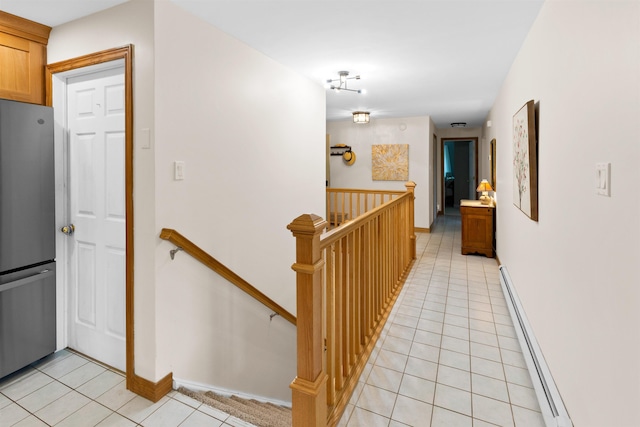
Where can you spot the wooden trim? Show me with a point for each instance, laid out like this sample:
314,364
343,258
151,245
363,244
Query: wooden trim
434,163
150,390
359,191
192,249
135,383
423,230
442,174
124,52
411,189
17,26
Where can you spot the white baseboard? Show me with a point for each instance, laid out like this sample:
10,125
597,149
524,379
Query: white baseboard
177,383
551,404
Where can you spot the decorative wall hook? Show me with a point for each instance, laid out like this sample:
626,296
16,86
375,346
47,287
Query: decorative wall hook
341,149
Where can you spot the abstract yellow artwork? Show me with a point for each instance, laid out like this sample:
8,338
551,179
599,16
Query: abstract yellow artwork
390,162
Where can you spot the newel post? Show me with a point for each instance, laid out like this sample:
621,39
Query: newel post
411,187
309,388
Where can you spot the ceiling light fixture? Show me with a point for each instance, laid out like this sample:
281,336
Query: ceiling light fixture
342,82
458,124
361,117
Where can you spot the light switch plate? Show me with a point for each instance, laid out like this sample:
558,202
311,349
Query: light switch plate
145,139
178,170
603,179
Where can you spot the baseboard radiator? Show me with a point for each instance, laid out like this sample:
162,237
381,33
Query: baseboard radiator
551,405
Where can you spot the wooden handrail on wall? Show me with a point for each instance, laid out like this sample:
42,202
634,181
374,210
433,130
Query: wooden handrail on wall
192,249
347,281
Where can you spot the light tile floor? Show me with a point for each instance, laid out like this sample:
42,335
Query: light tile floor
448,357
68,390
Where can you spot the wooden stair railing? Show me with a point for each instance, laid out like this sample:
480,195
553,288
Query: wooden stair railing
192,249
345,204
347,281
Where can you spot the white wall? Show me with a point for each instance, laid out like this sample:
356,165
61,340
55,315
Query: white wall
576,269
252,135
417,133
129,23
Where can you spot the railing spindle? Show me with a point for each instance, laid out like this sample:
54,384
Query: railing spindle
330,323
345,308
339,318
353,306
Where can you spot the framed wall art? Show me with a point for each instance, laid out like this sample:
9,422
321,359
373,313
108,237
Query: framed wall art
390,162
525,161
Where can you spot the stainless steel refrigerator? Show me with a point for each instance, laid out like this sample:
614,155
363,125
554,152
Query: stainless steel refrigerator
27,235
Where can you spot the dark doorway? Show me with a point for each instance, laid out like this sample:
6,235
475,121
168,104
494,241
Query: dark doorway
459,166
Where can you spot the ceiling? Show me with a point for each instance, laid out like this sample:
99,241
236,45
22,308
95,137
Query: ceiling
442,58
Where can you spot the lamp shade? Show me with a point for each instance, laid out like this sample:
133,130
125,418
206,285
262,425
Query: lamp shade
484,186
361,117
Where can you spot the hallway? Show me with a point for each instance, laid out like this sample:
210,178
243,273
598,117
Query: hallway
448,355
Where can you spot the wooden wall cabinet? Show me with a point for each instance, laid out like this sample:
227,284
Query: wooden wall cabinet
23,56
478,223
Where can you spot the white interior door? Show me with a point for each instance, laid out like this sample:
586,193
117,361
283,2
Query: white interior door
96,197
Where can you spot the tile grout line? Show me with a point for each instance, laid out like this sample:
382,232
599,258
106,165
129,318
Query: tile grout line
38,369
470,359
82,394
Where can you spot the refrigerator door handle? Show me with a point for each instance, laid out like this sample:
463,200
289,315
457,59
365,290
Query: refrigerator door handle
29,279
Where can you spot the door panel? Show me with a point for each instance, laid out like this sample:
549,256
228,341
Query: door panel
97,205
115,297
86,284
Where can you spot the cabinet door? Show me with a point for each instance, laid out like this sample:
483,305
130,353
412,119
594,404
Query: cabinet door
477,230
21,69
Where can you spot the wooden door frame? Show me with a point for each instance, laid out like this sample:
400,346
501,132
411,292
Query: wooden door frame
442,141
150,390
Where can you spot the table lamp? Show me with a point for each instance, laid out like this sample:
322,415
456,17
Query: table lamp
484,187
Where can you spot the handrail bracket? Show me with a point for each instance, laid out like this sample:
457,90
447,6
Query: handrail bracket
173,252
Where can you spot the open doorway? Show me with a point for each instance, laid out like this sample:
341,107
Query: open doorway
460,177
